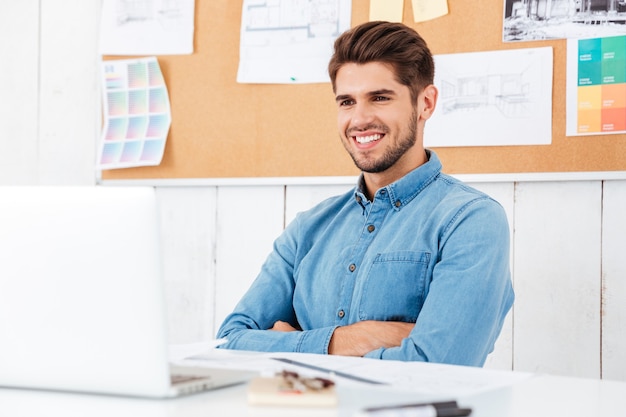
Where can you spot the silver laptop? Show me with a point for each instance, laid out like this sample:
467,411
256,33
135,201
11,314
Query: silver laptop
81,295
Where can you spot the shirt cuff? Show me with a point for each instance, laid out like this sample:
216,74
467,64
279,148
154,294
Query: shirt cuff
316,340
375,354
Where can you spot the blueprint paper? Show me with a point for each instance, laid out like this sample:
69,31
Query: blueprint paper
492,98
146,27
289,41
137,114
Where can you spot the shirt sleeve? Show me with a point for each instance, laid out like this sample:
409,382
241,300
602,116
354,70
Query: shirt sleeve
470,292
270,298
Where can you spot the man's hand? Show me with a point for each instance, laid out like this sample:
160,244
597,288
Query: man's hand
283,326
359,338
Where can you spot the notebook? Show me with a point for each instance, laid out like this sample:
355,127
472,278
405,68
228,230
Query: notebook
82,304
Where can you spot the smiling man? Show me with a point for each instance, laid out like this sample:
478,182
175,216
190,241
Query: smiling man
410,265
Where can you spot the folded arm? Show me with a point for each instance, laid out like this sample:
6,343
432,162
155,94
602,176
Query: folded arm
469,295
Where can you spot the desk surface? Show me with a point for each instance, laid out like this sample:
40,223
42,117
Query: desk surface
538,396
489,393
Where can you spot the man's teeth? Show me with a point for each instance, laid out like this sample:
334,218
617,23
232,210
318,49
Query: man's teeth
368,139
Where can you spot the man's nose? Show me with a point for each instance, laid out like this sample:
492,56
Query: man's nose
362,115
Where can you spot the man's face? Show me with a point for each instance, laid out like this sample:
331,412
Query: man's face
376,118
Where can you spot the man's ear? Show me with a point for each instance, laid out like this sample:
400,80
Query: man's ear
428,101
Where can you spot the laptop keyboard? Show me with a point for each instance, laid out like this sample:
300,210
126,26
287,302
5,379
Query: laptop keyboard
179,379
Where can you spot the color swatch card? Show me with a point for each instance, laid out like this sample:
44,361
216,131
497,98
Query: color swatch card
137,114
596,86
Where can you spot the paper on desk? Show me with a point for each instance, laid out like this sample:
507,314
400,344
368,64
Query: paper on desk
425,378
178,352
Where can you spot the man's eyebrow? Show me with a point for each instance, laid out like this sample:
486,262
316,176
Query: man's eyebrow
342,97
381,92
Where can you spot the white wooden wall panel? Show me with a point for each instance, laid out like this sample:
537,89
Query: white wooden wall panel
19,89
249,219
557,278
69,111
614,281
303,197
188,231
502,355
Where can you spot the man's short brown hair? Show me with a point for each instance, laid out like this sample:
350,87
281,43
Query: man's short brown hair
394,44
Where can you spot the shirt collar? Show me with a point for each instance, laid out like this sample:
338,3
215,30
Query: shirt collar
402,191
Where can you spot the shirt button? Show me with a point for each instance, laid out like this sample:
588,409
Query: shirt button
341,314
352,267
398,203
358,199
371,228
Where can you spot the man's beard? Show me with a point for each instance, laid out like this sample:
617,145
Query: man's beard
393,154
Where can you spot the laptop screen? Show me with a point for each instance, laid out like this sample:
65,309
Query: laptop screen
81,296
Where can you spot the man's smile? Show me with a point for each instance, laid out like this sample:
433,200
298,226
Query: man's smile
368,138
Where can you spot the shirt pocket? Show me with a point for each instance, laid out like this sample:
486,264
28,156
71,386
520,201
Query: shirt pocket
393,289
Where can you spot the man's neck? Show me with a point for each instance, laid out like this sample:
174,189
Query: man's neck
374,181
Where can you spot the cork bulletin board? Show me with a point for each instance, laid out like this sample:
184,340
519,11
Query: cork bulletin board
222,129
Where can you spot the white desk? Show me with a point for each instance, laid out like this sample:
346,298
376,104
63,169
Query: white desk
538,396
489,393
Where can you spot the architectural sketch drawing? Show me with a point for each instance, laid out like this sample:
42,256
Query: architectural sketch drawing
289,41
313,18
167,12
146,27
510,93
492,98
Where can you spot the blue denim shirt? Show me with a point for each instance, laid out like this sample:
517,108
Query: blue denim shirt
427,250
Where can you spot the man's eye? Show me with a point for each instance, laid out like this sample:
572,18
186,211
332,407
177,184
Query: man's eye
381,98
346,102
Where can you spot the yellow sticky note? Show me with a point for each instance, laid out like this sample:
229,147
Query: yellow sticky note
389,10
429,9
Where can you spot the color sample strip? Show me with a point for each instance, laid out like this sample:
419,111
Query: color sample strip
137,75
159,102
602,85
116,129
138,101
137,114
111,153
137,127
155,75
131,151
158,126
152,149
117,103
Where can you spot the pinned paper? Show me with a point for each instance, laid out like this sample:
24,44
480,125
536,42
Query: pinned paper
596,86
510,88
146,27
283,42
137,114
429,9
389,10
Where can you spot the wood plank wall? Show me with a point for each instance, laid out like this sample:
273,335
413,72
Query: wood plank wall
568,237
569,315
